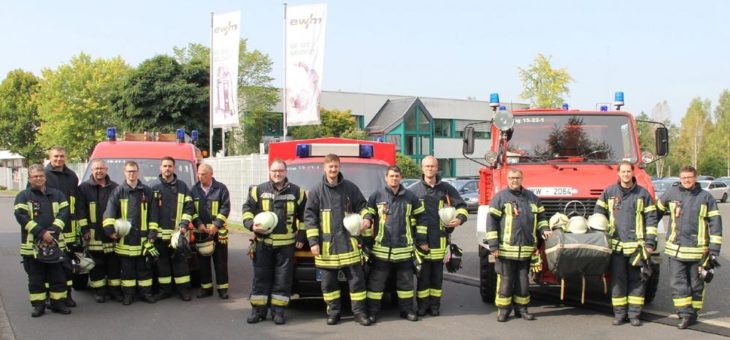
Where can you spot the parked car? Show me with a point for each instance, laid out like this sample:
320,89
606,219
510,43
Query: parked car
472,201
661,186
705,178
407,182
718,189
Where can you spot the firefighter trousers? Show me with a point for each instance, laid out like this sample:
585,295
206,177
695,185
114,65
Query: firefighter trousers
512,284
627,290
331,289
379,274
105,274
688,289
429,283
273,270
136,271
171,267
39,274
219,260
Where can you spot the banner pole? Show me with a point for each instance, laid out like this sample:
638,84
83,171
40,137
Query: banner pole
283,99
210,90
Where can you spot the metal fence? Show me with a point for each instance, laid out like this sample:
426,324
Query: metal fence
238,173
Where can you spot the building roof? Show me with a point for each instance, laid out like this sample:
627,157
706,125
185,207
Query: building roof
5,155
392,112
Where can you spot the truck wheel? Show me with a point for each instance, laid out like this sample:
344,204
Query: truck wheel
487,277
653,284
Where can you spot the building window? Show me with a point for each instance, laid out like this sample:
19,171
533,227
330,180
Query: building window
445,167
442,127
477,134
273,125
359,121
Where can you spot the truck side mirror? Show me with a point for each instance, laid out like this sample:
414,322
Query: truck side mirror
661,136
468,147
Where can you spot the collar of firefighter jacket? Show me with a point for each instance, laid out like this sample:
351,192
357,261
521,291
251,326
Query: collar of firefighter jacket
65,169
173,182
139,186
339,180
438,180
630,189
693,190
92,182
401,190
517,192
285,186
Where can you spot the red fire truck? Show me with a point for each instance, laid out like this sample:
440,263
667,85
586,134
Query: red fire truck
568,158
362,162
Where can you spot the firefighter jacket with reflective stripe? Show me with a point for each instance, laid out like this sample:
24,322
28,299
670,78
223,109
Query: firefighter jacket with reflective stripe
395,218
326,207
288,205
515,217
631,217
695,224
174,203
37,211
211,208
136,206
435,197
67,183
92,199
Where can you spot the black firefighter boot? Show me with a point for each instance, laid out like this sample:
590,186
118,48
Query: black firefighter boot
69,300
257,314
523,313
60,307
435,306
278,315
502,314
39,308
422,307
223,293
100,295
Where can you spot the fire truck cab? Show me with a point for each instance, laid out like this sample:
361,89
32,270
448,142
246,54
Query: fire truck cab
362,162
568,157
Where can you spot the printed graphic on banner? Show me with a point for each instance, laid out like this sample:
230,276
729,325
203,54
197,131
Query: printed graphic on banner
305,32
224,69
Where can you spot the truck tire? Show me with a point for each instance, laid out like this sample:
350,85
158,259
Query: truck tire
653,284
487,277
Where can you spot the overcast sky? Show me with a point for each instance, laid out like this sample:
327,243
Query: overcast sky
652,50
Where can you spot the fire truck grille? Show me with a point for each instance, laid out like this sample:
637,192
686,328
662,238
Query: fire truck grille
554,205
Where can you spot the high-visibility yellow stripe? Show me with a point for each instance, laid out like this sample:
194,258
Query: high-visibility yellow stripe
145,283
702,226
422,294
639,225
331,295
682,302
507,232
405,294
521,300
92,212
182,279
359,296
58,295
37,296
495,212
716,239
619,301
636,300
375,295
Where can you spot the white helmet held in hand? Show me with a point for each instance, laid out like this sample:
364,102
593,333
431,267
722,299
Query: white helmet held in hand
598,222
205,248
447,214
352,223
122,227
267,220
578,225
558,221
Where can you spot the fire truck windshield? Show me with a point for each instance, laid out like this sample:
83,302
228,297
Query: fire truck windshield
149,169
367,177
577,138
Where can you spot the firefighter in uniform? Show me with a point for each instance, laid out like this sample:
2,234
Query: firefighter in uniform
212,205
132,201
632,231
694,237
175,209
93,197
515,217
273,253
334,249
63,179
394,213
435,194
42,212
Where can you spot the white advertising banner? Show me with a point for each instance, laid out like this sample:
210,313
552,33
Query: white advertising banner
305,32
224,69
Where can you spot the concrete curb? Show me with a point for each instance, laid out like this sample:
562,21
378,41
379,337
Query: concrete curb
6,330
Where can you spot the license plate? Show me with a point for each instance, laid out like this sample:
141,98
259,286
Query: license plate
340,275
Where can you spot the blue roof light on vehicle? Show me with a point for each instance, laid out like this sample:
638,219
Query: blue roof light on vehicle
366,151
502,108
494,100
111,133
618,100
180,135
194,136
566,107
304,150
604,108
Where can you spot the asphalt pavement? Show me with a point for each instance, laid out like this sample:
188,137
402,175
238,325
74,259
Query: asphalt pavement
464,316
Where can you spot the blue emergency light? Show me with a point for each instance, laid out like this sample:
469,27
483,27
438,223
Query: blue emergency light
618,100
494,100
304,150
180,134
366,151
194,136
111,133
566,106
502,108
604,108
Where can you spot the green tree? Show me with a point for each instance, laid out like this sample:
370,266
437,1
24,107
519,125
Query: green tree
75,103
334,123
355,134
718,148
543,85
408,167
19,119
695,127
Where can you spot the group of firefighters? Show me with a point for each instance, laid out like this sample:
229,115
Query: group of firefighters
400,232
